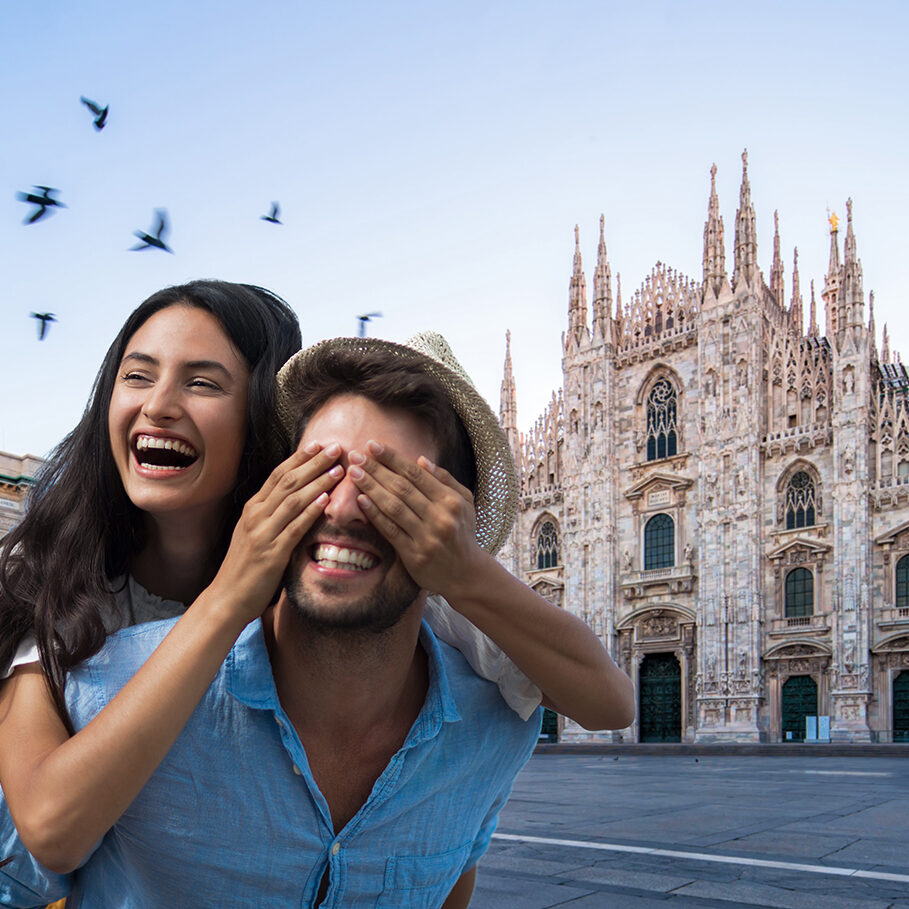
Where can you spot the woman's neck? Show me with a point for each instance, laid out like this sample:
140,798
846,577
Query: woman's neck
180,557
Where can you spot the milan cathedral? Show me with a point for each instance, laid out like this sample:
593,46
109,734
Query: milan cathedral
722,493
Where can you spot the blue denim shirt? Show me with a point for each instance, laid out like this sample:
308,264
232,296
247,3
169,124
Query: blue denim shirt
233,816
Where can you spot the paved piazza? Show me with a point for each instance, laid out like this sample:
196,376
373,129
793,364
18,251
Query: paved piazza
686,830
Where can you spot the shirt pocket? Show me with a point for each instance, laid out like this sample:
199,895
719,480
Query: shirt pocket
422,881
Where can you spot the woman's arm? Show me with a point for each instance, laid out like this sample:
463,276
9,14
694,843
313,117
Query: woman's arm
429,518
65,793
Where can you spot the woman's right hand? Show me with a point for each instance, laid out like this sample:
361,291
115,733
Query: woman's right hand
273,522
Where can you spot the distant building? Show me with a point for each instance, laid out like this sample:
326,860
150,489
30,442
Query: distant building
722,493
16,475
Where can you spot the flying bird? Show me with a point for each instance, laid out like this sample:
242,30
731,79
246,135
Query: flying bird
43,318
364,319
100,112
273,214
149,240
44,202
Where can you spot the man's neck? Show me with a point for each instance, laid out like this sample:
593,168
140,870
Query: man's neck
351,697
346,683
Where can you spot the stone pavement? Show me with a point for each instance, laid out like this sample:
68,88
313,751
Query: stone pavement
694,829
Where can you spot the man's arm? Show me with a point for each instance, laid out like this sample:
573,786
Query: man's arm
460,895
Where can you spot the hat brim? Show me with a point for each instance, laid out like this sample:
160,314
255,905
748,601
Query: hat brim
496,495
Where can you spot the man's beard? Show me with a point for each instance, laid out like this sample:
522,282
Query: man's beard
373,613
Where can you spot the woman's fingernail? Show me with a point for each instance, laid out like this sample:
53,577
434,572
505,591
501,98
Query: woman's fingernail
356,473
333,450
356,457
336,471
312,447
374,447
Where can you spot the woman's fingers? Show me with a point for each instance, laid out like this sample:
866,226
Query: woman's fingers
297,470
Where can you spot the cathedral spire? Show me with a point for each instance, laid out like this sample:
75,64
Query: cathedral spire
776,270
812,317
832,281
885,346
853,295
577,294
796,315
714,243
872,328
745,269
508,408
602,287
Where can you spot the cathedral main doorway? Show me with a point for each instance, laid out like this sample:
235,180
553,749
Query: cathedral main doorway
799,701
660,707
901,707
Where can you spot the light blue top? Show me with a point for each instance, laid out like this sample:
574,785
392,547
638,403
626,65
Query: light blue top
233,817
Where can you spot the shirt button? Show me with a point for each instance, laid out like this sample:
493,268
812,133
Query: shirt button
335,848
278,720
297,770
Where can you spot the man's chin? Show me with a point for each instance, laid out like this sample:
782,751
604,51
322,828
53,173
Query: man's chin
381,610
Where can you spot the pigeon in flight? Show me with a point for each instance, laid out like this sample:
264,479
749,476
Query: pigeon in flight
364,319
44,202
43,318
149,240
273,214
100,112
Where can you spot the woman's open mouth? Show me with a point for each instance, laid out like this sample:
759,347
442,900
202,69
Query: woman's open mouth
156,453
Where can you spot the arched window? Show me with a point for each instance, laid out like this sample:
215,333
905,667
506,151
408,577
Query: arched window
661,421
800,501
547,545
902,582
659,542
799,593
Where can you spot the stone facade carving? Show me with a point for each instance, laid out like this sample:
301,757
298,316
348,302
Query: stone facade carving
760,395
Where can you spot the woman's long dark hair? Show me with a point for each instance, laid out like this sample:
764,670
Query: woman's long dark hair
80,529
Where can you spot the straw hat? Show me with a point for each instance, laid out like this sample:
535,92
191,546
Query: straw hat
496,494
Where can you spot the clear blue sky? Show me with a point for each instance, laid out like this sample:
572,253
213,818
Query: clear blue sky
431,161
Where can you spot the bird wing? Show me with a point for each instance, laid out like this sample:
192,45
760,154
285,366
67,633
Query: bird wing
162,223
40,213
91,105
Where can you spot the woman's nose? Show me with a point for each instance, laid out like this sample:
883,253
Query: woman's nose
162,403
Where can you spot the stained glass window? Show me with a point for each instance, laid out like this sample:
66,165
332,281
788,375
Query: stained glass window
547,546
800,501
799,593
659,542
662,439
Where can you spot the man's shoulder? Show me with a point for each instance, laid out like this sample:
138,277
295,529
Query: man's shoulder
477,699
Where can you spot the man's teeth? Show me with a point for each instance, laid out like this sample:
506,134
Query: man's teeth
329,556
145,442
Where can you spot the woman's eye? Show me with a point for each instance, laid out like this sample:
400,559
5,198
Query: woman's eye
134,377
204,383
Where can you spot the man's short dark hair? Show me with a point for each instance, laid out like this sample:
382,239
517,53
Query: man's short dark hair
389,381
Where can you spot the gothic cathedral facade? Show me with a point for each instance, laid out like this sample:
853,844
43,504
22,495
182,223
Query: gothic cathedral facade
722,493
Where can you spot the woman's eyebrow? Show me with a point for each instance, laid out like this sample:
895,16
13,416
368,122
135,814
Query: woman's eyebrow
190,364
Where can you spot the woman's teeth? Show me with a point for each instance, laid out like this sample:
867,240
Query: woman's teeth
156,453
329,556
143,443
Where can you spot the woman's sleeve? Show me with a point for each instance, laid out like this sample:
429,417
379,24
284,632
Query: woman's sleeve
26,652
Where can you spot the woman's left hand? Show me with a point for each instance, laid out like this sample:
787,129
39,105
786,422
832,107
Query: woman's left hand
422,510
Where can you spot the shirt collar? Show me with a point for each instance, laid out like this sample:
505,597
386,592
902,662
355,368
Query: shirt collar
249,679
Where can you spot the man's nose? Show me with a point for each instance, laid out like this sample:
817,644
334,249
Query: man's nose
342,507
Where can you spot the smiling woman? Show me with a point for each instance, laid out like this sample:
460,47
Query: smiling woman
178,414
